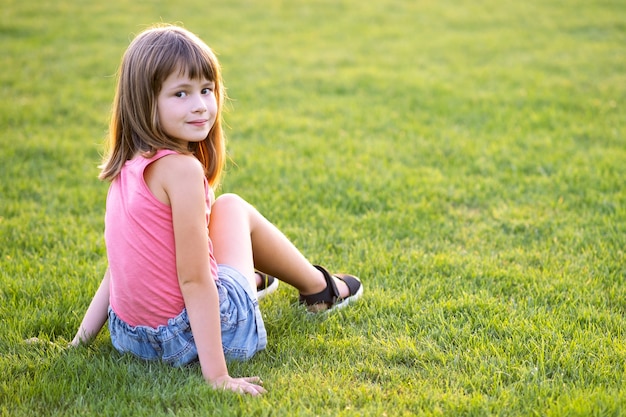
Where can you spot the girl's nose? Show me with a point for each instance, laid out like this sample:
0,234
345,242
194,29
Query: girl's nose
199,105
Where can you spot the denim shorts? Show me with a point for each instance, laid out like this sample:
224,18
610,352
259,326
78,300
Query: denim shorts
243,331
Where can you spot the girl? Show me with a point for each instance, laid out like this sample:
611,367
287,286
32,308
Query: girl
181,284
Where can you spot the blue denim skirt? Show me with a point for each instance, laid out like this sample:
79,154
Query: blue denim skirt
243,331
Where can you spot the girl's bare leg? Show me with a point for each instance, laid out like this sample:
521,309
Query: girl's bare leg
245,240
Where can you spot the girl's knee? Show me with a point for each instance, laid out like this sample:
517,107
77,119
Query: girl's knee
227,198
228,202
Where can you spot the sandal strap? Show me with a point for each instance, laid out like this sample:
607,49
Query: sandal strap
266,281
352,283
328,295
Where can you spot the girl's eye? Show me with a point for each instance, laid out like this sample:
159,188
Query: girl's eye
180,94
207,90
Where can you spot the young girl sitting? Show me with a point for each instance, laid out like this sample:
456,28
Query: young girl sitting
182,284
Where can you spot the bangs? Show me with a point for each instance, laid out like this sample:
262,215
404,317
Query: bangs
195,63
192,59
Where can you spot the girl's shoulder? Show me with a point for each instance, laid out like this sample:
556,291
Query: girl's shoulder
173,171
176,160
177,166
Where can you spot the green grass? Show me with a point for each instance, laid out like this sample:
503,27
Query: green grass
465,158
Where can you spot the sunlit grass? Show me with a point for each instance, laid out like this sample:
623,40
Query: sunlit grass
466,159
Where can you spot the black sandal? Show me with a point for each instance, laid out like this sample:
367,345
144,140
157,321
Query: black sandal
330,295
268,285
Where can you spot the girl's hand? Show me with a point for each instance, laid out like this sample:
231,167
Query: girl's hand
249,385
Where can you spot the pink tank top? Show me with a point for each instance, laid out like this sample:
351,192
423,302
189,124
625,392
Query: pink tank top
140,247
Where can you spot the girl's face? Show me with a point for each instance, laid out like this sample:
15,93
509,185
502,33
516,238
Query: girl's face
187,108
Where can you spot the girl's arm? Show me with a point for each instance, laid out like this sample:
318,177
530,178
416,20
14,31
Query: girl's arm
182,179
96,314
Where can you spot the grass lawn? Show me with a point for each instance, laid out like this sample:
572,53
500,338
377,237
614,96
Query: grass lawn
465,158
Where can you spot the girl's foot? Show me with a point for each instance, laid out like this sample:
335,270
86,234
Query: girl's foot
265,285
341,289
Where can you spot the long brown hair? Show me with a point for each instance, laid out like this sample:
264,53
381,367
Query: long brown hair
150,58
